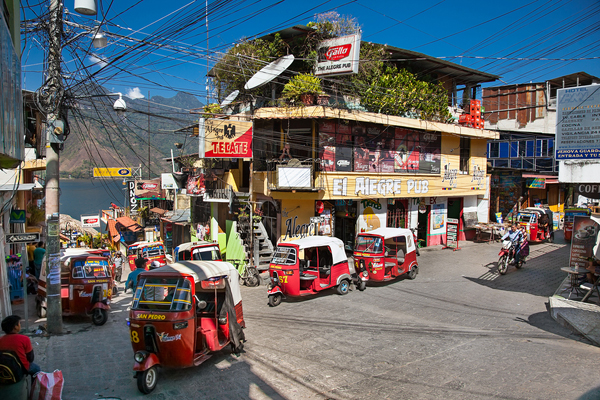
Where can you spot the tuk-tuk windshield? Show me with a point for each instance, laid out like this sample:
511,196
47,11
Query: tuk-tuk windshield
154,251
526,218
206,254
163,294
284,255
369,244
89,269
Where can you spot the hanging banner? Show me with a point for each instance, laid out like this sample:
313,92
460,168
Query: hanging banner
195,185
90,221
112,172
131,200
227,139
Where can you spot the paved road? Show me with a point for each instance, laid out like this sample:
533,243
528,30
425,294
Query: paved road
458,331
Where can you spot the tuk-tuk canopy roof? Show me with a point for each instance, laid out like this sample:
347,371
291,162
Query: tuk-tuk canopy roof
188,246
537,210
388,233
336,245
200,271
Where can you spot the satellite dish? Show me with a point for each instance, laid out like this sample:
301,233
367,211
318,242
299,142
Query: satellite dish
230,98
270,72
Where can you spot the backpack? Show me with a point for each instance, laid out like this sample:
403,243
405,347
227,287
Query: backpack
11,368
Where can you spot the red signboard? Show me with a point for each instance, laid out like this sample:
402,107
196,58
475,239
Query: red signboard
335,53
149,186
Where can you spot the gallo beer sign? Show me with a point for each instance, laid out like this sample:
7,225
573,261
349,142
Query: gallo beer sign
227,139
338,56
90,221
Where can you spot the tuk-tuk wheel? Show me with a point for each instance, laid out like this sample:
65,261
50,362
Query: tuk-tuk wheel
551,238
413,273
146,380
99,316
361,285
115,291
343,287
41,311
275,299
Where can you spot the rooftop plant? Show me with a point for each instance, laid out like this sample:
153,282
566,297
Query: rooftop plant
301,84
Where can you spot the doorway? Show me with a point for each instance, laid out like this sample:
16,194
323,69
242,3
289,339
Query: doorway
423,228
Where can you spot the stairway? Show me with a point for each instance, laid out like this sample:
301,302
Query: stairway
261,239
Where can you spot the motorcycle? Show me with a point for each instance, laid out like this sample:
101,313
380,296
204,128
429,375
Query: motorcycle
508,252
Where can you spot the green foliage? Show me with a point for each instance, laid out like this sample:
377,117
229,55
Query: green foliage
301,84
332,24
398,92
211,110
244,60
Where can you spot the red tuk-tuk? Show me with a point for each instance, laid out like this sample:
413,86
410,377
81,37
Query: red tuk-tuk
202,250
151,251
101,253
538,224
307,266
86,287
570,214
181,313
386,253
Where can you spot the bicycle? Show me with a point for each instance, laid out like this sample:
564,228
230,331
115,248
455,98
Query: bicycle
249,275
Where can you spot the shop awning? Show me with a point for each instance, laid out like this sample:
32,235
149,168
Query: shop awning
150,196
158,211
129,224
181,217
112,230
10,187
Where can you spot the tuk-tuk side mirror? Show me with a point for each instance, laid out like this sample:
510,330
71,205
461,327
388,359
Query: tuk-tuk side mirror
201,304
223,321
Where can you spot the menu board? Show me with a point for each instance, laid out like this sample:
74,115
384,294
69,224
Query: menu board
585,232
452,234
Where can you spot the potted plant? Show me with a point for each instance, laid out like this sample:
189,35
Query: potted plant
323,99
302,87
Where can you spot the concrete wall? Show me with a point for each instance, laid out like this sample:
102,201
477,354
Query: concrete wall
571,171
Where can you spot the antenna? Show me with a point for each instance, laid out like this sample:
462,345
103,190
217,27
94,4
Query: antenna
269,72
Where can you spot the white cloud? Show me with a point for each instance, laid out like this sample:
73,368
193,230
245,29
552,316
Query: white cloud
134,93
100,62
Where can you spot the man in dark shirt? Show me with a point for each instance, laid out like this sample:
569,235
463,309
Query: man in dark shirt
18,343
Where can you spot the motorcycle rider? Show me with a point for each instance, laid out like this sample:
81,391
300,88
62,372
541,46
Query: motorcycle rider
515,235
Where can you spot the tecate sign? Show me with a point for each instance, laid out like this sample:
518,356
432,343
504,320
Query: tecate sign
149,186
338,56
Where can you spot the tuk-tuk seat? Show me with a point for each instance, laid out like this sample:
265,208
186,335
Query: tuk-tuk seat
400,256
307,277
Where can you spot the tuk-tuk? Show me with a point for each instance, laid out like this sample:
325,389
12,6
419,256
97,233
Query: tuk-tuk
570,214
538,224
307,266
386,253
151,251
101,253
180,314
86,287
207,251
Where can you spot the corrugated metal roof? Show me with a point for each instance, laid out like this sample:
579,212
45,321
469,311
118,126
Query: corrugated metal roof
178,216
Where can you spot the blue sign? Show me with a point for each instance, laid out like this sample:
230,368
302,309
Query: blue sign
18,217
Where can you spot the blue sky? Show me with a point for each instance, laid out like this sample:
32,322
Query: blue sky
521,41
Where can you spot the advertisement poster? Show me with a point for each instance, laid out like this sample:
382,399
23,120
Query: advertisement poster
407,150
90,221
438,216
430,157
452,233
373,215
585,233
361,152
227,139
325,226
327,152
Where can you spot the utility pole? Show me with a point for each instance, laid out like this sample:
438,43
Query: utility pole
149,135
53,92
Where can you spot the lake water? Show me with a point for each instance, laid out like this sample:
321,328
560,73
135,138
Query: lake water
88,197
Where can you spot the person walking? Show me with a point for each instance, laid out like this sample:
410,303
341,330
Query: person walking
38,257
118,266
140,265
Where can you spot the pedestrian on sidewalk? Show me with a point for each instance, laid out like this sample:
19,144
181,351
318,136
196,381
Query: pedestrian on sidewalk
38,257
118,266
20,344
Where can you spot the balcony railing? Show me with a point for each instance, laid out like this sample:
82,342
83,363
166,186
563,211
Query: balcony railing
294,175
217,191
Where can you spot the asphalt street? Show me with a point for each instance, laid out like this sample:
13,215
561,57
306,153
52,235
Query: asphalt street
458,331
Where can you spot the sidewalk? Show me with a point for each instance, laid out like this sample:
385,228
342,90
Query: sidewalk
582,318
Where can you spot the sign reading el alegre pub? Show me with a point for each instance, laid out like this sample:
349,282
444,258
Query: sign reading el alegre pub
227,139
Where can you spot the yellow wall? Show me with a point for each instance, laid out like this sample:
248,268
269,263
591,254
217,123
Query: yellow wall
296,213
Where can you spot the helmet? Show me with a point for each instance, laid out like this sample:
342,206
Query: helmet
154,264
